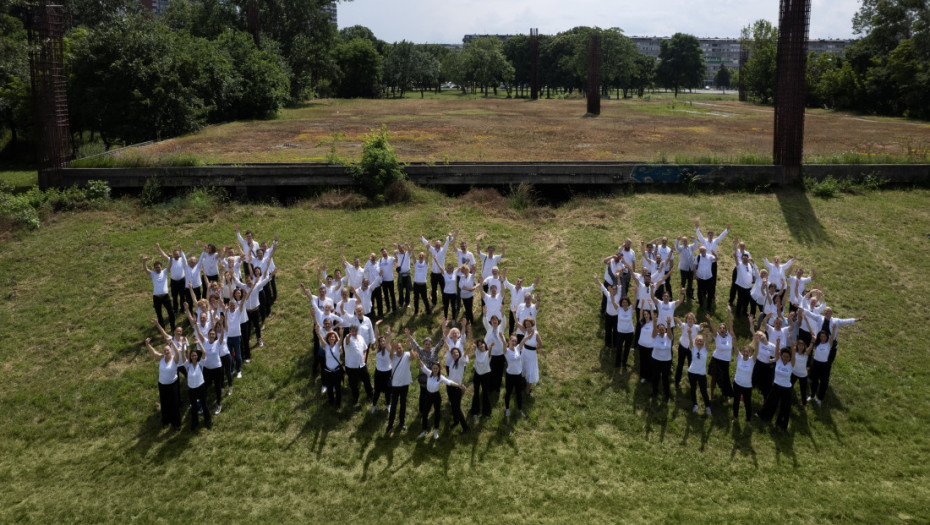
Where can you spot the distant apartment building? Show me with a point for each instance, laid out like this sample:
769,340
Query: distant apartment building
331,10
155,6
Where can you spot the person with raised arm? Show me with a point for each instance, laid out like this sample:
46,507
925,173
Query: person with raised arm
613,271
248,246
192,280
764,369
387,265
529,309
802,352
759,289
402,254
427,355
463,257
420,269
662,356
823,349
264,259
355,272
333,368
612,295
253,284
719,371
434,399
685,248
196,387
176,264
689,332
355,346
169,386
382,367
704,265
456,361
467,286
711,243
666,253
481,379
209,261
665,309
493,299
744,273
489,261
796,286
375,279
514,357
400,386
644,344
235,318
160,297
779,398
777,272
742,379
517,293
697,372
494,326
625,331
211,344
450,277
529,347
437,254
740,255
323,311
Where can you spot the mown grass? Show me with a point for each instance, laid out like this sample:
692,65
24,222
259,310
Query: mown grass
19,180
82,441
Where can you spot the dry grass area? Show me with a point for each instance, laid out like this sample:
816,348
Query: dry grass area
450,128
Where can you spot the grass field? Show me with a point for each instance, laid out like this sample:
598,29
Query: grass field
82,440
693,128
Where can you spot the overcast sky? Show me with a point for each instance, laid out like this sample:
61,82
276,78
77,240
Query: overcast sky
446,21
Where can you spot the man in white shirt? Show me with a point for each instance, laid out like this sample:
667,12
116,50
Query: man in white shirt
703,265
744,275
160,297
463,257
613,264
386,264
517,294
685,249
365,293
356,351
665,253
420,269
796,285
373,270
437,250
176,269
402,254
711,243
739,248
249,247
355,272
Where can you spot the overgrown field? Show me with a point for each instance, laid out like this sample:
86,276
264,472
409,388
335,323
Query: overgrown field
695,128
82,440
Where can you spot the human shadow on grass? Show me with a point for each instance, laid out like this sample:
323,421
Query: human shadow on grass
742,441
697,424
824,412
166,442
799,215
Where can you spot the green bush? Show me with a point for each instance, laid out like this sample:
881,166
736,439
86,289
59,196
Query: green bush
380,166
825,189
522,197
16,210
151,192
97,190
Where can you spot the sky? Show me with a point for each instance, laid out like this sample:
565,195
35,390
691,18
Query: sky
447,21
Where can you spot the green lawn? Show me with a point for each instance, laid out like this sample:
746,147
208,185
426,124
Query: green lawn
19,180
81,433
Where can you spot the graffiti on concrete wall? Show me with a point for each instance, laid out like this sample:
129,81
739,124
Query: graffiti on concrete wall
671,174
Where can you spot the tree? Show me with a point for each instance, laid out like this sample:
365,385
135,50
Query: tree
758,74
361,68
484,64
723,77
681,62
643,74
517,51
15,94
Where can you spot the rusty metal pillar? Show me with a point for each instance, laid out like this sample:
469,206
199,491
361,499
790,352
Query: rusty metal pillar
741,81
790,86
534,64
594,75
46,64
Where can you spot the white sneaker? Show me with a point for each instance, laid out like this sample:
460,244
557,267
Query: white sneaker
642,380
261,343
507,412
707,410
523,414
229,391
219,408
810,397
421,435
389,409
248,360
372,409
238,375
695,409
323,390
435,434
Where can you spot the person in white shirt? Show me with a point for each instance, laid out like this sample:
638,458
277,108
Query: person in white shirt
433,399
690,329
450,277
235,318
333,370
612,294
402,254
355,272
743,275
481,400
710,243
375,280
799,374
723,353
739,249
253,284
529,309
662,357
529,348
210,259
615,274
758,291
666,257
697,372
248,245
704,265
457,361
625,332
192,279
463,257
764,369
514,357
387,265
400,386
796,285
779,398
517,294
742,380
176,264
685,249
644,344
824,357
419,285
355,346
777,272
211,343
437,255
467,286
196,388
169,386
489,260
264,257
382,367
160,298
365,293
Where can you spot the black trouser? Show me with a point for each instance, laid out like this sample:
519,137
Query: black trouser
227,362
177,293
419,290
376,301
436,281
624,341
753,306
705,292
720,372
512,322
746,394
246,329
455,399
803,381
214,377
448,301
645,360
819,378
733,287
431,401
403,289
468,303
319,360
169,397
762,376
264,304
778,398
482,385
398,397
382,384
195,395
607,284
213,278
255,319
684,354
662,371
698,381
687,277
742,301
668,287
610,330
498,365
804,336
514,384
624,284
159,301
273,290
333,381
390,299
235,348
356,375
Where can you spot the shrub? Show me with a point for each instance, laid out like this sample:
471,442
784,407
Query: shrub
825,189
379,167
151,192
15,210
97,190
522,197
397,191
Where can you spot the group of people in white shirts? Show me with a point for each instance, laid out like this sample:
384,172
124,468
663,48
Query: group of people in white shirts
793,336
226,296
344,333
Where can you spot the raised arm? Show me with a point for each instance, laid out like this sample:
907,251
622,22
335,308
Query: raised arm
730,322
148,344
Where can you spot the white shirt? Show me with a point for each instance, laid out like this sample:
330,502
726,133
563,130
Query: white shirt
419,272
465,258
625,320
386,265
523,313
383,361
800,365
611,308
744,368
723,347
365,329
211,357
766,352
177,267
332,356
194,374
782,335
247,247
493,337
234,321
456,373
710,245
694,329
403,261
796,297
440,254
629,256
355,351
209,263
192,274
698,361
372,272
822,352
401,370
488,263
667,311
159,282
777,272
645,335
517,295
449,282
783,374
494,305
482,362
744,275
432,383
467,282
704,266
667,255
167,372
355,275
662,348
514,361
685,255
